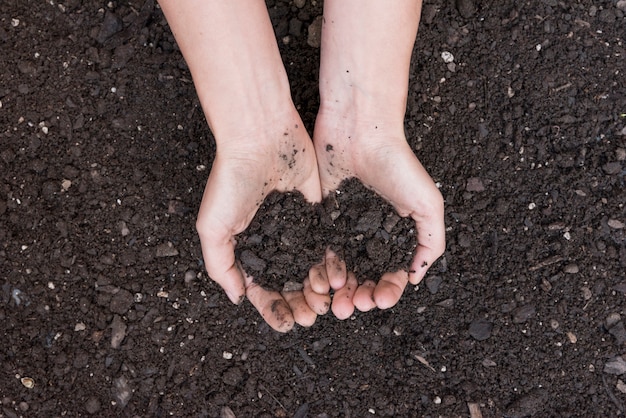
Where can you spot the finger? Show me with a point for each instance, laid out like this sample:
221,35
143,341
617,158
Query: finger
318,302
335,270
343,306
431,243
364,296
318,279
221,267
389,289
271,305
302,313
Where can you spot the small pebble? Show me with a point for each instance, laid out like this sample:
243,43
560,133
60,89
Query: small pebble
302,411
528,405
166,250
612,168
28,382
523,314
466,8
612,319
615,224
252,261
480,329
621,386
227,413
190,276
121,391
92,405
121,302
474,184
489,363
447,303
433,283
586,293
571,269
124,229
232,376
315,33
615,366
447,57
118,331
618,331
572,337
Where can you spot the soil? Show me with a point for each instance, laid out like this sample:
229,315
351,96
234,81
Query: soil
288,235
105,309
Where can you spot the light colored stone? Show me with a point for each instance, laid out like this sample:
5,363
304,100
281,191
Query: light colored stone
616,366
315,33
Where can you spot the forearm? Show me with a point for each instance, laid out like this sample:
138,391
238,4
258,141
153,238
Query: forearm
231,51
366,55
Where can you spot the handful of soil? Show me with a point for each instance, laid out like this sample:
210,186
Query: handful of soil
289,235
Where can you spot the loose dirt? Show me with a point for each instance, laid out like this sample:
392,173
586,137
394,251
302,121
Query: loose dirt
105,309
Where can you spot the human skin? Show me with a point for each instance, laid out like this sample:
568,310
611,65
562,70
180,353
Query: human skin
359,132
244,92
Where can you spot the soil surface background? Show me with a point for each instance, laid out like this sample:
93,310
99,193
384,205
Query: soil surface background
105,309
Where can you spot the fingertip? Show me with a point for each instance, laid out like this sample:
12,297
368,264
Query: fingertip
235,298
319,303
364,296
303,315
232,282
336,270
343,305
342,311
280,317
318,279
389,289
272,307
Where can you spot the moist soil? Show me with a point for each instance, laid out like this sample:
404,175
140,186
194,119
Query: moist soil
105,309
288,235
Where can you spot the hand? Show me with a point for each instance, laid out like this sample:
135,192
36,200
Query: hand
231,50
375,152
359,132
279,157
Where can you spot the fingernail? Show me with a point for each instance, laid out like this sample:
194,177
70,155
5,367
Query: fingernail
234,299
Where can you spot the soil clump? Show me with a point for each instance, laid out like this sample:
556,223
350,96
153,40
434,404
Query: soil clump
289,235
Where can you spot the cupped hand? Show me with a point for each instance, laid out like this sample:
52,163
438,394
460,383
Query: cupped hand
378,155
245,170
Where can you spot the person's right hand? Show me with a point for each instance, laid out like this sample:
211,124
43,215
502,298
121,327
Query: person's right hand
245,170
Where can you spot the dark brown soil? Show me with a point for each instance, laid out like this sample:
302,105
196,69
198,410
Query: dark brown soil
104,153
288,235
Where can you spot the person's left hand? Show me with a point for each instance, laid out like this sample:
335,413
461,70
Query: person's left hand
377,154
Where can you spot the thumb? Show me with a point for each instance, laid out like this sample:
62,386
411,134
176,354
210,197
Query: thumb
221,266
